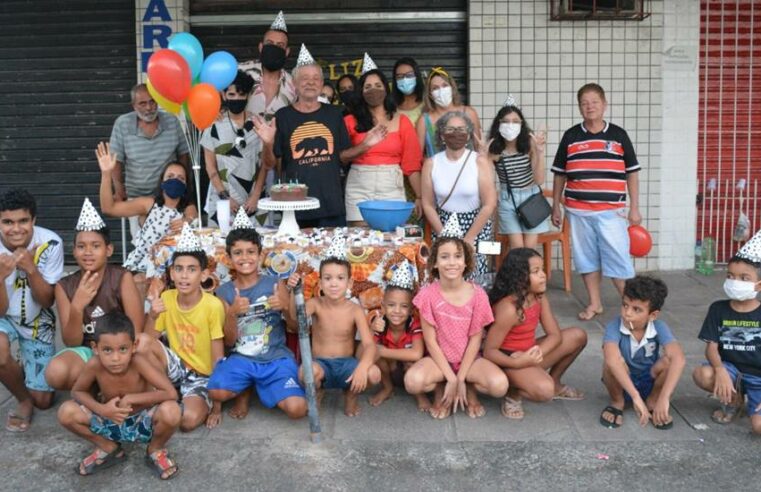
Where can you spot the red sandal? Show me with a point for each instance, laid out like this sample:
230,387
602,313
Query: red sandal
160,462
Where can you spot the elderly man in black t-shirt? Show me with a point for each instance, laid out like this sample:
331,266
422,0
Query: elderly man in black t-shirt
308,141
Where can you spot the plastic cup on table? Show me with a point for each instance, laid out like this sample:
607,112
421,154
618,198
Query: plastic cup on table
223,215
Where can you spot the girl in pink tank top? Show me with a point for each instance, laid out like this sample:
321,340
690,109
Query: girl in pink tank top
534,366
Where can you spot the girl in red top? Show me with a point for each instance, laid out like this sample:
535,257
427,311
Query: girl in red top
519,305
378,173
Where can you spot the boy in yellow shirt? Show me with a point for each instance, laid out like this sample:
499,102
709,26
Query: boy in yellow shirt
193,322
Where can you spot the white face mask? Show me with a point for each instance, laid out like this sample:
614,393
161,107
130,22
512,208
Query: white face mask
509,131
739,290
323,99
442,97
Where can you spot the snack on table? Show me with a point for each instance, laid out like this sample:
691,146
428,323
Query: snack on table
288,192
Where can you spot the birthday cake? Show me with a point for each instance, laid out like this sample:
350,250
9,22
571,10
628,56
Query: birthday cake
288,192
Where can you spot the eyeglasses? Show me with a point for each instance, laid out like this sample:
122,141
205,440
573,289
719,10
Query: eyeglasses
455,129
407,75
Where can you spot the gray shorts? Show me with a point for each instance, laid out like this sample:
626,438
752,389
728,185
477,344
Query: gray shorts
188,382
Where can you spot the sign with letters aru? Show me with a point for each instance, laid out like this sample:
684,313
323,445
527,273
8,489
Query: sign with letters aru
155,28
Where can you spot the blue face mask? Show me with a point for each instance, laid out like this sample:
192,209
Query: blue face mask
406,86
174,188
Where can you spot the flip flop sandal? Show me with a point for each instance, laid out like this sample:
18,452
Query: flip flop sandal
95,461
511,408
728,414
613,411
569,393
588,314
23,427
160,462
666,426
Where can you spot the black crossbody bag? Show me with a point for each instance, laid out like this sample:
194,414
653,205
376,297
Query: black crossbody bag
534,210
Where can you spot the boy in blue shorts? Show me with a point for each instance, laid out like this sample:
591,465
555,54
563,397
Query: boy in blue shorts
634,369
337,320
256,331
137,403
31,262
732,332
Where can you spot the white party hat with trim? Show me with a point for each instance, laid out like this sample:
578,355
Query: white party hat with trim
337,248
279,23
452,227
89,218
752,249
305,57
188,242
241,220
510,101
402,276
368,64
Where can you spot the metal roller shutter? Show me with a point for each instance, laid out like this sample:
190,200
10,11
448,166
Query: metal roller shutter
339,32
66,68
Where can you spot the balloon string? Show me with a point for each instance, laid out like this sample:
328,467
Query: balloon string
192,134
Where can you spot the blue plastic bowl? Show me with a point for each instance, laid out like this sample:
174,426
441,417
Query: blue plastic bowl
385,215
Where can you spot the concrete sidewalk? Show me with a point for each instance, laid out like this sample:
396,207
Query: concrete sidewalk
559,445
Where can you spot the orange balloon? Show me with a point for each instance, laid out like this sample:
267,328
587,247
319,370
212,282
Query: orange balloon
204,105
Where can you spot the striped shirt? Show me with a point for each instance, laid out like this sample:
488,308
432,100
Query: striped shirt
144,157
515,170
596,166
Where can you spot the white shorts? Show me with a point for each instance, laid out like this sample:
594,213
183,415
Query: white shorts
372,182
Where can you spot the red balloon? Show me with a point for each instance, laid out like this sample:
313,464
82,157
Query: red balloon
203,105
640,242
170,75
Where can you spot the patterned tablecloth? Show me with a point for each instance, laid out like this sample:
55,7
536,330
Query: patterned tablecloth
373,256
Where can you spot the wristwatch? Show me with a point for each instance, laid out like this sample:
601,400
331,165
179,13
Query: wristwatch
223,195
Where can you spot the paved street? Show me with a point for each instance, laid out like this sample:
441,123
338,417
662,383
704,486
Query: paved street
559,445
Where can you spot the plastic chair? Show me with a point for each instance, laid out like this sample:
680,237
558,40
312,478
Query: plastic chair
563,235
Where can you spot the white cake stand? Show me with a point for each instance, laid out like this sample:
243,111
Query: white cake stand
288,225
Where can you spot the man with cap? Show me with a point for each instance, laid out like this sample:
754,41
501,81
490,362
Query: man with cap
308,142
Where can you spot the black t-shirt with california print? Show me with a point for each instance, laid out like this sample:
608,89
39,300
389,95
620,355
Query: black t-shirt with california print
738,335
309,145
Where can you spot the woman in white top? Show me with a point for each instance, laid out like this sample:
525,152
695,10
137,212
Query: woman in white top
459,180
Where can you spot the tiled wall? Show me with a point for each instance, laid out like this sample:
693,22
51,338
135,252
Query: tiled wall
516,49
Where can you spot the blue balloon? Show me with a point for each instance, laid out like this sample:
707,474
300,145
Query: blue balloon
190,49
219,69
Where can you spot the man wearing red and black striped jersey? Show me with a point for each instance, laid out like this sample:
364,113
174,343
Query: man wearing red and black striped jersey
595,166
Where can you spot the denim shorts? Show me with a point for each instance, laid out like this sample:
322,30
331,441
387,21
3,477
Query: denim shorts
750,385
600,241
508,217
337,370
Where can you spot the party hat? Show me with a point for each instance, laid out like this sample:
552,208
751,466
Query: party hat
188,242
241,220
510,101
752,249
279,23
305,57
452,227
337,248
402,276
368,64
89,218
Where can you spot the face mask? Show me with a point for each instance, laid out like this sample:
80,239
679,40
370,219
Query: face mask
374,97
509,131
740,290
442,97
236,106
456,141
323,100
346,97
174,188
148,116
406,86
272,57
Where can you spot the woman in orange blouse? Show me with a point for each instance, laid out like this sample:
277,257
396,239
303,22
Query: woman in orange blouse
378,174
